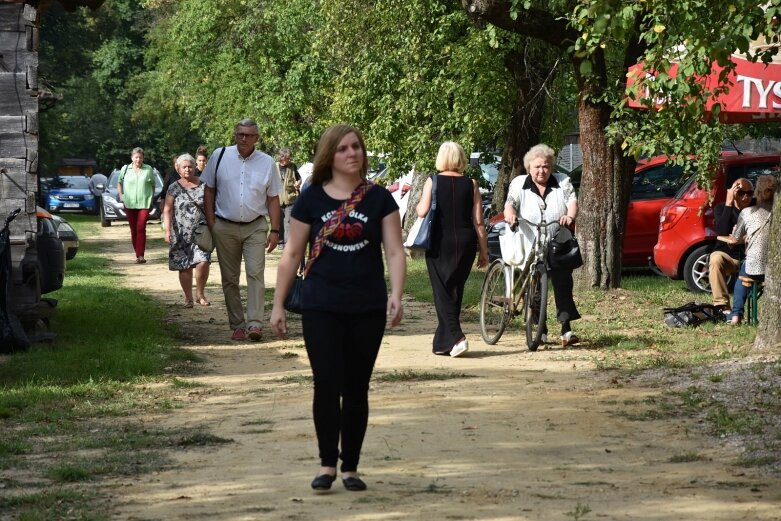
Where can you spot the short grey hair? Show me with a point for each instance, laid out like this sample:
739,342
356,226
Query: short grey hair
541,150
246,122
137,150
285,152
182,158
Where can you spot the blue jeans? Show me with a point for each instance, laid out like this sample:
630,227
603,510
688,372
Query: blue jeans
741,292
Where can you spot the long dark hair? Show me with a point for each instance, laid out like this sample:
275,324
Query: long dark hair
326,149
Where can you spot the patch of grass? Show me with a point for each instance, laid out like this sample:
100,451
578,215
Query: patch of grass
111,359
686,457
69,473
289,354
418,376
178,383
257,422
727,422
300,379
14,447
753,460
579,512
202,439
716,378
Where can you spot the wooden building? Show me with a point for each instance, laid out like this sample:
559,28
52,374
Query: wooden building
19,26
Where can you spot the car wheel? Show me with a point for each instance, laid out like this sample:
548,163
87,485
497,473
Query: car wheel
103,221
695,269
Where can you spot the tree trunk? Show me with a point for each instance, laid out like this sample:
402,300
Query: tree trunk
603,199
769,331
530,74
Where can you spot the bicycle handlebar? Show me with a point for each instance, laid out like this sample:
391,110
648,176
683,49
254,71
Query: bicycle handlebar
11,217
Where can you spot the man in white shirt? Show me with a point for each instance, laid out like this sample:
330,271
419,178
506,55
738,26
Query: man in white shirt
241,193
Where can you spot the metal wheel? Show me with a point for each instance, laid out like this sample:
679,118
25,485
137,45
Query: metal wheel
696,269
535,306
495,303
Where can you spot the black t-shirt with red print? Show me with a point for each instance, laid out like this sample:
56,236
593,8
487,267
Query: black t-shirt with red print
349,275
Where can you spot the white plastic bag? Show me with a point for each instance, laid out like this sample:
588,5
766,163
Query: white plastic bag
413,233
511,243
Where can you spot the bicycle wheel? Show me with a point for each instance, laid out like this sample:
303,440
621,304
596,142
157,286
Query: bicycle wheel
536,306
495,303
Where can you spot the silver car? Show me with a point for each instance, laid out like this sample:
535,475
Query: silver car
112,210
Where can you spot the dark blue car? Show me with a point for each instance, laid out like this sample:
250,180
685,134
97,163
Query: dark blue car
70,193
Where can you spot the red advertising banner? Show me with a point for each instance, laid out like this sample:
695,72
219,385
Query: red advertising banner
753,96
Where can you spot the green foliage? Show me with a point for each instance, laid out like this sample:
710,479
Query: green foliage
93,62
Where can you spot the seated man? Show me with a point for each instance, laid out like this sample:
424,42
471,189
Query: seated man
725,258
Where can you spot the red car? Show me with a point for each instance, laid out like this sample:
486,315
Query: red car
686,229
654,184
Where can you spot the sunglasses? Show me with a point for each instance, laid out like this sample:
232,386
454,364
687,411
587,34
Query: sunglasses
745,193
242,135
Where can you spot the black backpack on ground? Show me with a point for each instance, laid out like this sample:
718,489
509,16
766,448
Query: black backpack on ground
692,314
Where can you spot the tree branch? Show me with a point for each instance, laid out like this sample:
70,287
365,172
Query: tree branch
531,22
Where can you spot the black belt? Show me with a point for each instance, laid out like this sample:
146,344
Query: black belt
239,222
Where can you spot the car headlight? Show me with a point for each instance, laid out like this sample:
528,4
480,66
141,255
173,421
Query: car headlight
110,199
53,197
64,227
89,197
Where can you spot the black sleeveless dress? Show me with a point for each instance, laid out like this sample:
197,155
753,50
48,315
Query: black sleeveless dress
452,253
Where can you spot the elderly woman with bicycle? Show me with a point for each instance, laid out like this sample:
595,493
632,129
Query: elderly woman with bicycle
543,195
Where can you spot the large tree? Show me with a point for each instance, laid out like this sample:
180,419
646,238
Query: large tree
606,170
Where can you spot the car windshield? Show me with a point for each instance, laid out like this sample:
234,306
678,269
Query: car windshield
68,182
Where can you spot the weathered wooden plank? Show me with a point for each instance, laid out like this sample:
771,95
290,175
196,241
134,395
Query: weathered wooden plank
31,165
31,122
32,77
30,14
18,144
11,17
9,124
14,55
15,97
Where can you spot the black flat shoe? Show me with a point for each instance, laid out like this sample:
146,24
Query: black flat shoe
323,482
354,484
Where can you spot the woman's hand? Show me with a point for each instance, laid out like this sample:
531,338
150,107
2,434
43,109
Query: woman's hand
482,260
278,321
510,215
395,311
567,221
168,237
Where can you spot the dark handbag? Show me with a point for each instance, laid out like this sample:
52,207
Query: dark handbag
422,239
564,251
293,299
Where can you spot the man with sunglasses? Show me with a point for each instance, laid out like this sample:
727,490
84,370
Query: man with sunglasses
725,258
240,197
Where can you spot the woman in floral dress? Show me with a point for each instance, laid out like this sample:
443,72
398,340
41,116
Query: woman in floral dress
183,212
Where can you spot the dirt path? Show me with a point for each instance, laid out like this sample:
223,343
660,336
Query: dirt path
506,435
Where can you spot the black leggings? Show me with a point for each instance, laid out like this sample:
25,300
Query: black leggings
342,348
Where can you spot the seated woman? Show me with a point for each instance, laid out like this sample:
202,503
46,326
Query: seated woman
753,228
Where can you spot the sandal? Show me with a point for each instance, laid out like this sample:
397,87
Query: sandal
202,301
188,303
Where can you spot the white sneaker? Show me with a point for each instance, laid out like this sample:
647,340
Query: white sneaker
460,348
569,338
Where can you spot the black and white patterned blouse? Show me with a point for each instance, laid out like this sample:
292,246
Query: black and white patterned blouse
754,225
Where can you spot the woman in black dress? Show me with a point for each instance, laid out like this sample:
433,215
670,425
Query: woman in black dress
456,234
